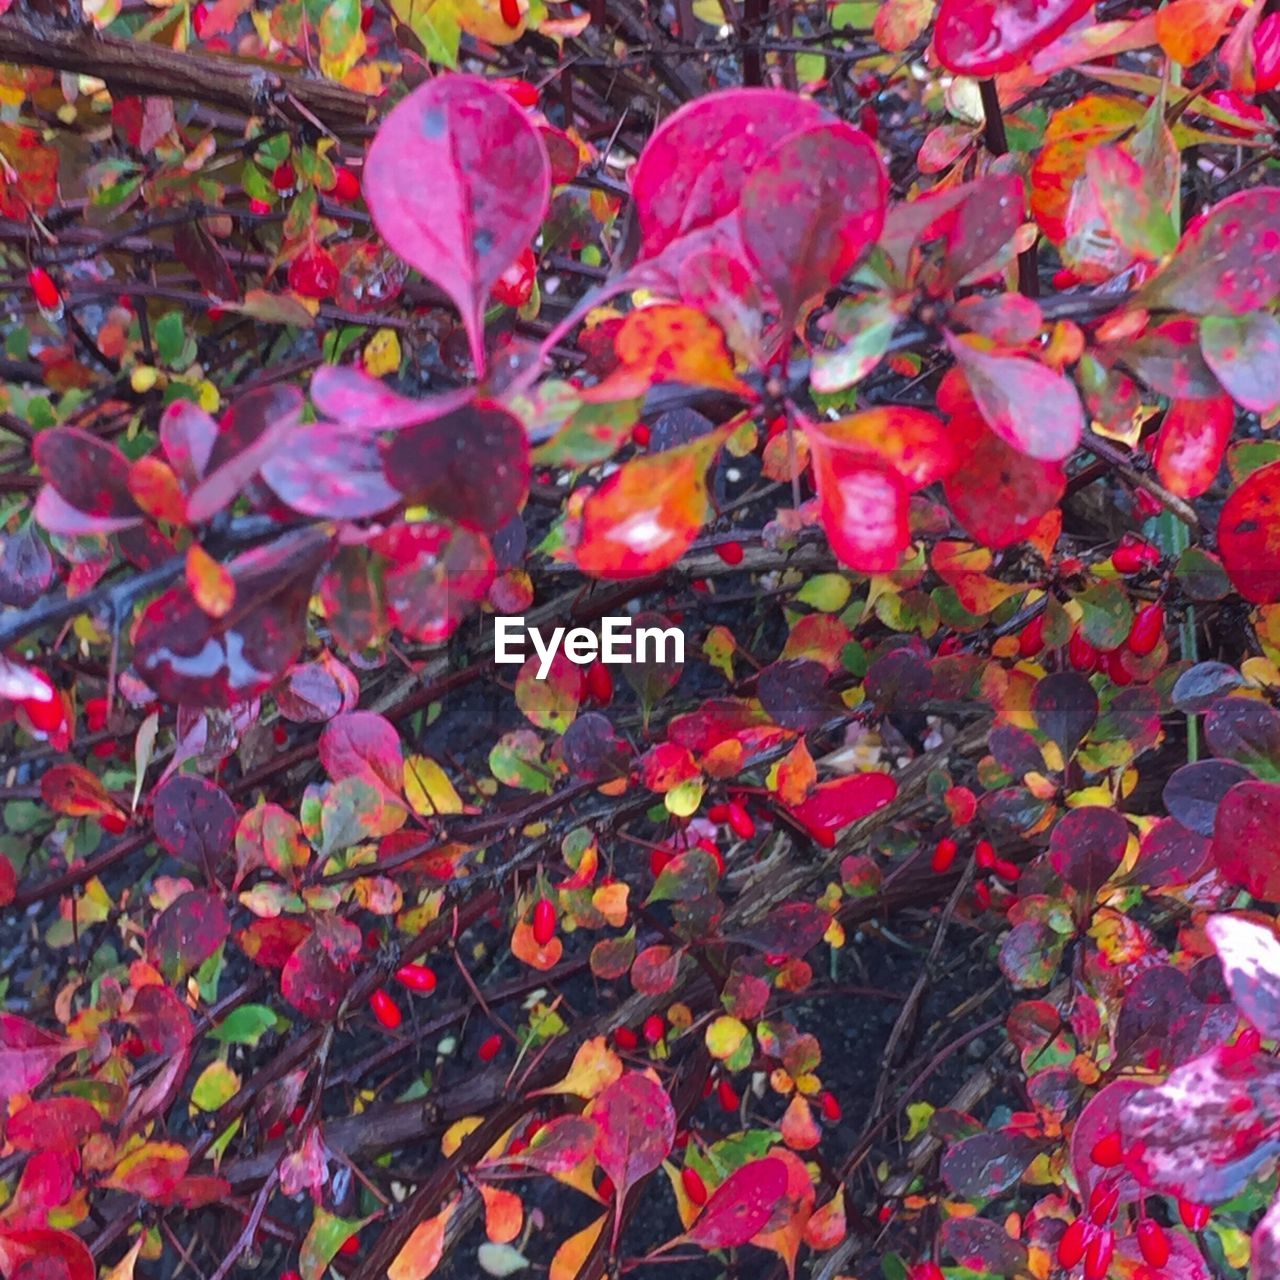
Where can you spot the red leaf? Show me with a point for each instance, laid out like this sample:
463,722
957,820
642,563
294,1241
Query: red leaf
53,1124
471,465
863,505
194,819
1190,444
458,181
27,1054
362,744
188,932
1249,535
636,1127
690,175
833,805
810,210
435,576
1228,261
1032,408
1246,838
190,658
1087,846
34,164
88,474
23,1250
73,790
741,1205
989,37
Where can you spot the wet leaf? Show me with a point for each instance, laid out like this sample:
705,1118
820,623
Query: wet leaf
86,478
152,1171
983,1166
1087,846
471,465
1228,261
988,37
1250,955
645,515
331,469
1170,854
863,506
983,1246
1247,731
1189,446
740,1206
1065,709
810,210
324,1237
832,806
363,744
1246,838
1193,792
1244,354
40,1252
438,198
636,1128
188,932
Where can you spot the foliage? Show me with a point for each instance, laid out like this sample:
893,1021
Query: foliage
919,360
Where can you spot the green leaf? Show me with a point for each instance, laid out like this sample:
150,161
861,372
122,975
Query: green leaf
170,337
245,1025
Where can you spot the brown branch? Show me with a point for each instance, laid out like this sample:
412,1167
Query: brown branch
133,68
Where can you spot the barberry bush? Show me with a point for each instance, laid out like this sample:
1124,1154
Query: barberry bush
916,362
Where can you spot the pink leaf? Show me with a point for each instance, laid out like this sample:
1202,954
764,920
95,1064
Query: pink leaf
27,1054
458,182
989,37
358,400
1250,955
863,504
362,744
741,1205
636,1127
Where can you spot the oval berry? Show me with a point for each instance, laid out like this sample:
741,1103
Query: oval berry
1081,654
1103,1201
345,185
1153,1242
654,1028
1195,1217
1072,1245
831,1109
694,1187
1133,555
514,286
1097,1257
510,10
1031,637
44,289
944,854
283,177
730,552
600,684
984,854
625,1038
349,1247
417,977
489,1049
385,1009
544,921
740,821
641,435
1147,630
727,1096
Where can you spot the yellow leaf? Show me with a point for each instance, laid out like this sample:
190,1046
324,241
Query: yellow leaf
123,1270
683,799
725,1036
428,789
423,1249
610,900
573,1252
382,353
595,1067
457,1133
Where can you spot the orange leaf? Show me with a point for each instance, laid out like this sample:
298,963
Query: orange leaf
595,1067
1189,30
914,443
155,488
524,946
211,584
799,1129
423,1249
73,790
573,1252
646,515
503,1214
669,343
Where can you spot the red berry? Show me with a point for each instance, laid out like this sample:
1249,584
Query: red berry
730,552
984,854
1097,1257
1117,671
1248,1042
641,435
830,1105
654,1028
1195,1217
47,716
1103,1200
345,186
694,1187
982,894
867,87
727,1096
385,1009
275,1131
113,823
626,1039
520,91
1031,637
1153,1242
199,16
1072,1245
1081,654
349,1247
1147,629
1133,555
944,854
514,286
606,1190
544,921
313,273
258,207
283,177
43,288
710,846
295,1116
1008,871
869,122
417,977
510,10
741,822
659,860
718,813
600,684
489,1050
291,1275
1108,1151
367,15
926,1271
